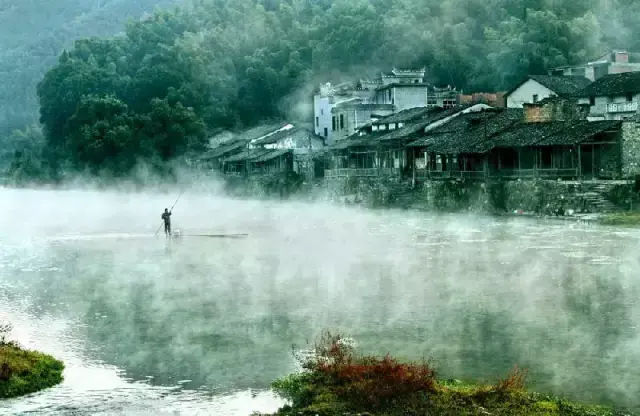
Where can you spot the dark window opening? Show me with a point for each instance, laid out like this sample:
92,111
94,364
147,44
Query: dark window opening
629,97
317,121
389,95
341,121
592,100
326,132
535,98
333,123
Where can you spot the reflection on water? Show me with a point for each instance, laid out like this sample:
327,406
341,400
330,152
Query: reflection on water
202,326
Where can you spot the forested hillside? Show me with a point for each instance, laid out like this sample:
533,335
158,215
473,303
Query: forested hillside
155,91
34,32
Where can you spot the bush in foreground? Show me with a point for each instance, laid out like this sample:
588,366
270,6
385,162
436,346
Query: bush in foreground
22,371
338,381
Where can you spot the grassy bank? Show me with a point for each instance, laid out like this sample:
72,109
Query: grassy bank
338,381
23,372
625,219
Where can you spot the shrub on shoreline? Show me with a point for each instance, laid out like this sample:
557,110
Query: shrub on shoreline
338,381
23,371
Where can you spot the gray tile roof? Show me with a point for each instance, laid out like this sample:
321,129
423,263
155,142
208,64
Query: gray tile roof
614,85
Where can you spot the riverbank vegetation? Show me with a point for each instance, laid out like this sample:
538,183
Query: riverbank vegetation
339,381
23,371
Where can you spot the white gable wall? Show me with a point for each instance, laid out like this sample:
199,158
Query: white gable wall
525,92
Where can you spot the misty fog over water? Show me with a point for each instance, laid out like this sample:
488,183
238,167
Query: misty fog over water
203,325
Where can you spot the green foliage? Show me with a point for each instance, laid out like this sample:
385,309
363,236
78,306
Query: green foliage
23,372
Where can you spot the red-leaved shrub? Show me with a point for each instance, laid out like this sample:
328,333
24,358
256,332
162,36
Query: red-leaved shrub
515,381
369,381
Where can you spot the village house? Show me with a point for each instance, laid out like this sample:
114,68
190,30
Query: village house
613,97
379,147
306,147
614,62
276,149
328,97
347,117
551,139
407,89
340,111
536,88
226,145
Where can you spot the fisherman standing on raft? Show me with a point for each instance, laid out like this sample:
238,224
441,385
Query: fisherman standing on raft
166,217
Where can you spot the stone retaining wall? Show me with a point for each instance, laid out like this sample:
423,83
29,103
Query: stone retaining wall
542,197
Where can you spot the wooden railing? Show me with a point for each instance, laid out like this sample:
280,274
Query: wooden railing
477,175
535,173
503,173
360,173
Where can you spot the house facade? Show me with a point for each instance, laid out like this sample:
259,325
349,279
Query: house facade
538,87
613,97
327,98
348,117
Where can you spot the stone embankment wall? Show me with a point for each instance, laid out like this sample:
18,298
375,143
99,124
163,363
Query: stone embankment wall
542,197
534,197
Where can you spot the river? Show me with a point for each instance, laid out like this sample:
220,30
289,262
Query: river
202,325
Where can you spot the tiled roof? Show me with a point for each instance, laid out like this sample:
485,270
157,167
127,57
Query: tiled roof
259,131
406,115
418,125
257,155
353,142
224,149
564,85
613,84
248,155
466,131
296,133
553,133
407,132
271,155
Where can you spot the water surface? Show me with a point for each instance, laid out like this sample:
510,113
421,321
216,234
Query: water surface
148,325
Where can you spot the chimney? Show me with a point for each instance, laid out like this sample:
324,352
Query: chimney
554,109
535,113
621,57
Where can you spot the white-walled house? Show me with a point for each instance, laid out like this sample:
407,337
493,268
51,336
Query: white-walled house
538,87
613,97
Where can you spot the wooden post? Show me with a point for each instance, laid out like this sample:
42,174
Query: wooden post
579,161
593,162
413,174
